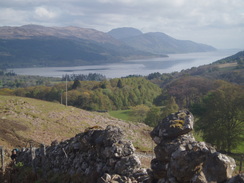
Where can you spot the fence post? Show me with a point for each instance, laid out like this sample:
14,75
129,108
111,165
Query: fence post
240,167
43,155
2,158
33,155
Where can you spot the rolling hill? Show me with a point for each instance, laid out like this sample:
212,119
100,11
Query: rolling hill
23,120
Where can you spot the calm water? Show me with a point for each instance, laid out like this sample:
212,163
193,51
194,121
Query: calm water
175,62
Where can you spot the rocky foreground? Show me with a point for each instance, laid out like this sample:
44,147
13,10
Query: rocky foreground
104,156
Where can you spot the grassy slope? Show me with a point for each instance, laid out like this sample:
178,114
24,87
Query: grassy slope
25,119
121,114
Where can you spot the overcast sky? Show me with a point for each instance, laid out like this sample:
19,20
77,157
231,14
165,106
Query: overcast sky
219,23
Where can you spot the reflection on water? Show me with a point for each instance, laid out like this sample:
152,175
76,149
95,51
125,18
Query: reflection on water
175,62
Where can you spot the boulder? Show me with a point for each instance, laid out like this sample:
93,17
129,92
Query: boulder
218,167
182,159
174,125
237,179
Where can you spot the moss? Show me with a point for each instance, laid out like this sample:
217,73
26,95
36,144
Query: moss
177,123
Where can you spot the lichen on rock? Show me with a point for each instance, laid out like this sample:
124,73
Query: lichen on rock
182,159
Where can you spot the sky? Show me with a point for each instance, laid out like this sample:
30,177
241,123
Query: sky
219,23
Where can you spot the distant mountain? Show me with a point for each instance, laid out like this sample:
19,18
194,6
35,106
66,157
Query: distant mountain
157,42
30,31
39,46
125,32
34,45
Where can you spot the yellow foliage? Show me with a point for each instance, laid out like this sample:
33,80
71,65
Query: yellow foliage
6,91
86,93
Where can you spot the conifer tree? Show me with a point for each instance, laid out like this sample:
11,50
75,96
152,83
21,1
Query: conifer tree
76,84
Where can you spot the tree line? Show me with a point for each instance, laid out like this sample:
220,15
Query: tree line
84,77
110,94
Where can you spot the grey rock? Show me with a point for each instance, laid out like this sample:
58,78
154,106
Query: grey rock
174,125
103,156
218,167
106,178
97,154
237,179
199,178
181,159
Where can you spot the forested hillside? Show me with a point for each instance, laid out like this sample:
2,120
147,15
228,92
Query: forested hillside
215,95
238,57
113,94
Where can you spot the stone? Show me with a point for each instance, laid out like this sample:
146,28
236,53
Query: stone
127,165
174,125
199,178
103,156
237,179
106,178
99,155
159,168
182,159
218,167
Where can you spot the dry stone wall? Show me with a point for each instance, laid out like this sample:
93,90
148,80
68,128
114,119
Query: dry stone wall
103,156
97,155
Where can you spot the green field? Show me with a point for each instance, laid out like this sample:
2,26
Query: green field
122,114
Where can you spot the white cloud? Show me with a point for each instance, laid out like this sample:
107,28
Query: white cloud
9,16
45,13
214,22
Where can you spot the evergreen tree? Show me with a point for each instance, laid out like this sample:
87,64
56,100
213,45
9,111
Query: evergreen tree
76,84
119,84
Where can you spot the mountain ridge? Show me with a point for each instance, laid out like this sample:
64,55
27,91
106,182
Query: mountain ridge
32,30
124,32
159,43
40,46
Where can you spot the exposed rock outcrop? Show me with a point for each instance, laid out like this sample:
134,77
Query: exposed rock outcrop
182,159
